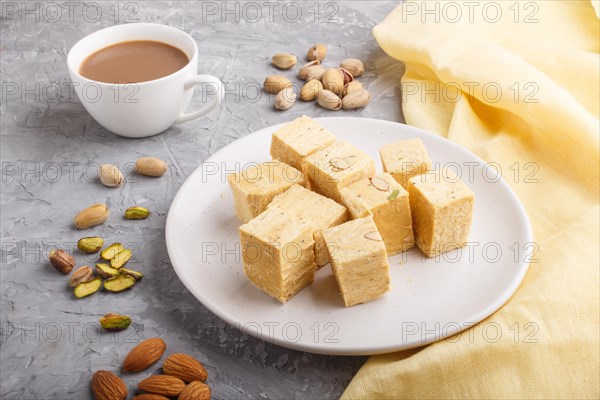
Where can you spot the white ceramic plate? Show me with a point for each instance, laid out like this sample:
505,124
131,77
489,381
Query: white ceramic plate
429,299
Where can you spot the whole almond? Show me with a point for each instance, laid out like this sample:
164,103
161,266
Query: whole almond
149,396
151,166
62,261
144,355
108,386
83,274
93,215
195,391
110,175
184,367
276,83
164,385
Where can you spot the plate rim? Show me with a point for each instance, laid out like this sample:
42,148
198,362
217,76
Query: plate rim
324,348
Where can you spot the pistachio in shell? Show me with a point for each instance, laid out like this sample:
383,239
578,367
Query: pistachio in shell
284,61
94,215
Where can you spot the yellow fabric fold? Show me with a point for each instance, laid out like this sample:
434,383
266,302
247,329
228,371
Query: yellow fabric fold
523,92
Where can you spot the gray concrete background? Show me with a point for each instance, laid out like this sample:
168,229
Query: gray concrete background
51,148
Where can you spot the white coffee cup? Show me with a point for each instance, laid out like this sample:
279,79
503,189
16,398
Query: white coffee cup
145,108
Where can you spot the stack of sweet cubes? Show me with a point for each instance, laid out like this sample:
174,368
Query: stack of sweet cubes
320,201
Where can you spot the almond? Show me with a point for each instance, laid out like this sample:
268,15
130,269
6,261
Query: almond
195,391
184,367
144,355
165,385
108,386
149,396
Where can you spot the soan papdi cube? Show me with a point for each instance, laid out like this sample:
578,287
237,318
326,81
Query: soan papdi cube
405,159
321,211
254,187
358,260
336,166
298,139
387,201
277,253
442,209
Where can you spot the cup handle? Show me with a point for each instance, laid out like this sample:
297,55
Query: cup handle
218,96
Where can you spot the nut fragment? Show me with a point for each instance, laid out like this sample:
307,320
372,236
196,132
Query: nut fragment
356,99
106,271
329,100
119,283
87,288
136,275
303,72
137,212
317,52
380,184
151,166
115,322
110,175
184,367
276,83
120,259
284,61
374,235
165,385
339,164
111,251
354,65
144,355
310,90
82,274
108,386
90,245
93,215
333,80
149,396
347,75
351,87
285,99
195,391
62,261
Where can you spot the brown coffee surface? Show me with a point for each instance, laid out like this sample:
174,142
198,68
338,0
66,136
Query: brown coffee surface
134,61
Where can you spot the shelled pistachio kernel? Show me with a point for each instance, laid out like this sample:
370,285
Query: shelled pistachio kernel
137,212
90,245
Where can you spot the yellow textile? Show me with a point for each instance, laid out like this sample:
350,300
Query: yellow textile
550,130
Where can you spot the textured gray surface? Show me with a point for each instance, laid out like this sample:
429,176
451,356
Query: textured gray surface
51,148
